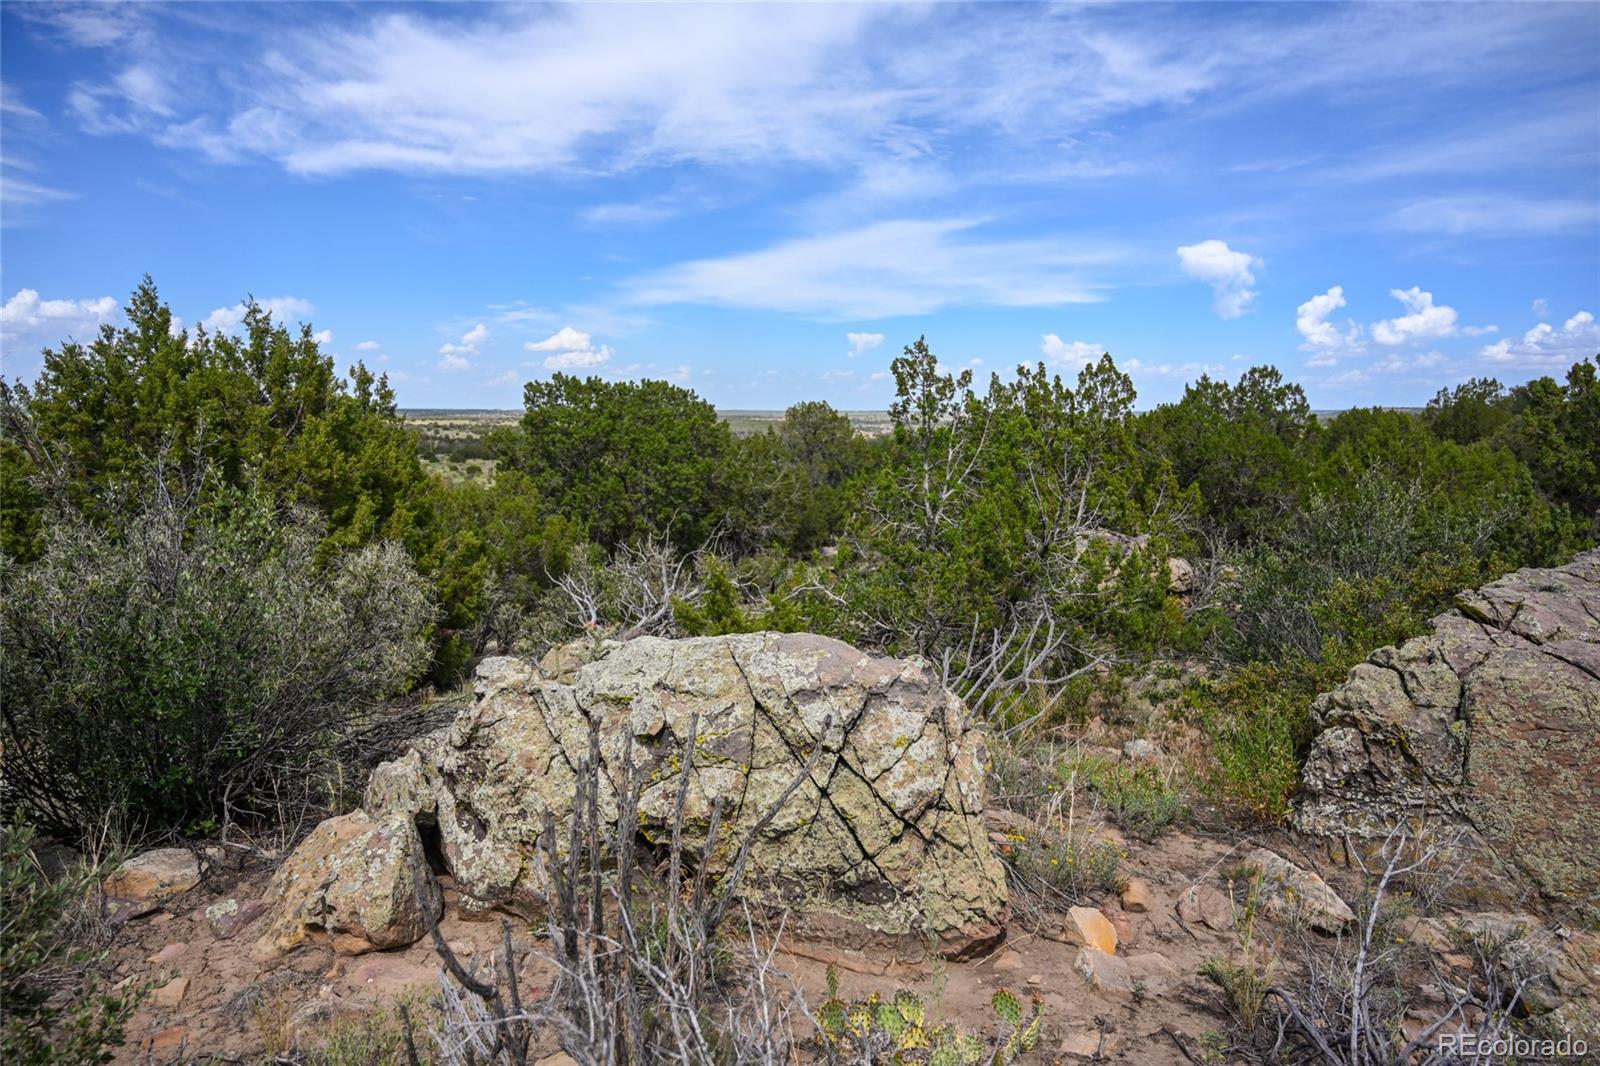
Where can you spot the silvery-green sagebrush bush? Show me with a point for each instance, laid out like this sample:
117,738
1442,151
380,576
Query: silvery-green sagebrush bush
168,669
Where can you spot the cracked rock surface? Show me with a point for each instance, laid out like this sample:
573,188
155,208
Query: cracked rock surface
883,840
1492,721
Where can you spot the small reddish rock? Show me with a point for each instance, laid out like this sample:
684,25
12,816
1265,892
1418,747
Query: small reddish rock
1124,927
349,944
171,994
168,953
1089,1045
229,916
390,973
1204,904
166,1043
1135,896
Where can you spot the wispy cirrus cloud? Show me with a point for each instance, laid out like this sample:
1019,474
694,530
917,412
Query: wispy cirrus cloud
11,103
93,25
17,191
21,187
888,269
862,343
1495,214
1554,128
872,88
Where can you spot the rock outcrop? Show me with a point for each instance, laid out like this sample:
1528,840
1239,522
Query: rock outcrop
1491,722
883,838
351,879
1289,890
144,882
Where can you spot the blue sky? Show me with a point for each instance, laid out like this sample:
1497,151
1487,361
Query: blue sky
767,202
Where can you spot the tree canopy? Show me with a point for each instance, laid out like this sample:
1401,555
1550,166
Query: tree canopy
1034,536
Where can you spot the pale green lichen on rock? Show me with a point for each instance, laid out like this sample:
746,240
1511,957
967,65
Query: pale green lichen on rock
350,879
1495,723
885,837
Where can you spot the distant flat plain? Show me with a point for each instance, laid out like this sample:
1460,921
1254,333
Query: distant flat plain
471,422
453,440
467,422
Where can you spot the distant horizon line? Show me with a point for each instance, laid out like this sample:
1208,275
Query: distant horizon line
848,410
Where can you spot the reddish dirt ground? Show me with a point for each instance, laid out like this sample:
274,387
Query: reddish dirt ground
237,1009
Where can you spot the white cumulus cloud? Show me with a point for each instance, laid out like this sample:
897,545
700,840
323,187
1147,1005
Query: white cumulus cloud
27,311
368,346
570,349
565,339
283,310
1228,272
1322,336
861,343
1546,346
1426,319
1069,353
455,354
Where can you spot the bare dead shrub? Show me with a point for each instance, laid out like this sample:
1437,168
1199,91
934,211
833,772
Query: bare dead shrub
648,970
1351,1006
632,590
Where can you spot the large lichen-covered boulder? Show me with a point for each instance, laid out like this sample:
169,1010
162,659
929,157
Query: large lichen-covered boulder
351,881
883,838
1491,722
